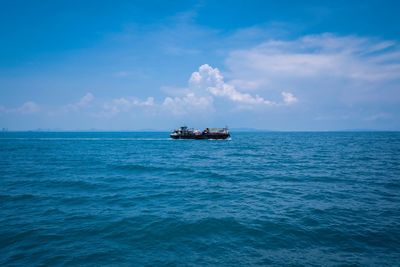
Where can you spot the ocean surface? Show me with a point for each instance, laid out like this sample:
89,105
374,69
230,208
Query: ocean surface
134,199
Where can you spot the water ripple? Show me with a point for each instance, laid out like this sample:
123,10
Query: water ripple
318,199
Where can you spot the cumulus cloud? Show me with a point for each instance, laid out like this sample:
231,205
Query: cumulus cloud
84,102
211,80
207,84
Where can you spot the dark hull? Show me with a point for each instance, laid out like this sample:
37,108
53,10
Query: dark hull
201,136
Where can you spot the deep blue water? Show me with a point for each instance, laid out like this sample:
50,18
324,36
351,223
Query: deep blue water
127,199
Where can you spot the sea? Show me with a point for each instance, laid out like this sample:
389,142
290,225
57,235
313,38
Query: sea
142,199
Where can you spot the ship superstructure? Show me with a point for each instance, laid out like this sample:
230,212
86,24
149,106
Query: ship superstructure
209,133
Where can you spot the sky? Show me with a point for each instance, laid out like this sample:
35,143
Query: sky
135,65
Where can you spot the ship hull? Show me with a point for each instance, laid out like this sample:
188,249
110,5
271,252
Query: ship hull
202,136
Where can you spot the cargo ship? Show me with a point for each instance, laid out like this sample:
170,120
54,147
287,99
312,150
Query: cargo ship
209,133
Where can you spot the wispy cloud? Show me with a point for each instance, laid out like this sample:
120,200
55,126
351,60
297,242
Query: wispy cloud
326,55
333,76
188,103
84,102
121,74
289,98
378,116
123,104
26,108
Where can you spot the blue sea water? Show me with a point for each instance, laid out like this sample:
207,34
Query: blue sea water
133,199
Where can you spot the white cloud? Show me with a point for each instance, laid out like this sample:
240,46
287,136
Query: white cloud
123,104
378,116
204,85
289,98
83,102
326,55
188,102
246,85
28,108
333,76
211,80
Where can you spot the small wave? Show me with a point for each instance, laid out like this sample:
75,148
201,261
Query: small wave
149,168
71,184
214,175
153,228
245,155
135,167
18,197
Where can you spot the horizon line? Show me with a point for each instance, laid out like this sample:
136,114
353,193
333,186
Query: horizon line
4,130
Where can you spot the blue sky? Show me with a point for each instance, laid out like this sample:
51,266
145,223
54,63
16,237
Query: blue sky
131,65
